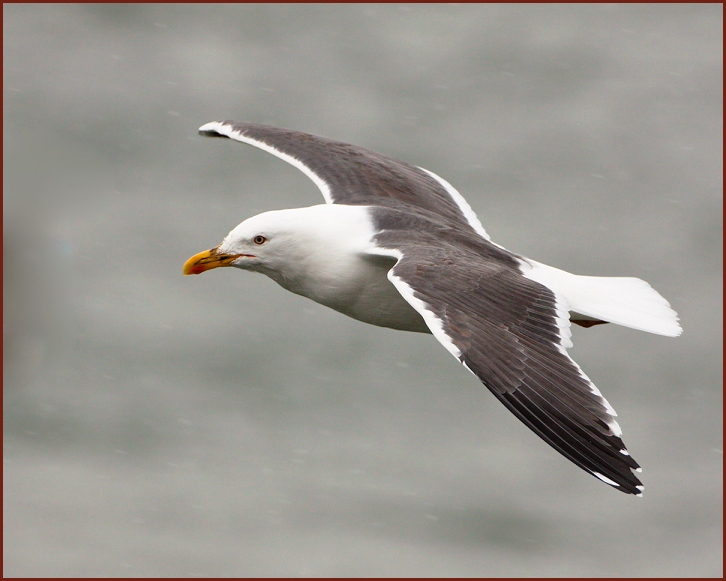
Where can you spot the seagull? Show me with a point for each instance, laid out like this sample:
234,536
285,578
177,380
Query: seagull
397,246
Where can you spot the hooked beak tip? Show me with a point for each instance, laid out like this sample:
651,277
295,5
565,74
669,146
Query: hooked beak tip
208,260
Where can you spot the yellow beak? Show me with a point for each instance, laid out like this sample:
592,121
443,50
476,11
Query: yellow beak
208,260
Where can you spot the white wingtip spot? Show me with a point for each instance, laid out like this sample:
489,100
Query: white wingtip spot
638,469
641,488
624,452
606,480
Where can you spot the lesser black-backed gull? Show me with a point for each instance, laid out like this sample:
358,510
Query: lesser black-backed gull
397,246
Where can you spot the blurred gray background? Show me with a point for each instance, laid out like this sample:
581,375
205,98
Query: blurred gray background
221,426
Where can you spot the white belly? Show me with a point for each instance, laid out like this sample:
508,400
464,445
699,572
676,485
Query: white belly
364,293
379,303
323,253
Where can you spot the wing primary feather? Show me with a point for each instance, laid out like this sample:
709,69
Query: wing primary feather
568,447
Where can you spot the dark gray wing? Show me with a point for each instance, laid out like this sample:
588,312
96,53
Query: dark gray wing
348,174
512,333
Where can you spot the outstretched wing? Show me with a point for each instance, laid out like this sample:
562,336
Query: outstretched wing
348,174
512,333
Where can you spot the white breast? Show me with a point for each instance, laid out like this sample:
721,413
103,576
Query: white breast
373,298
329,262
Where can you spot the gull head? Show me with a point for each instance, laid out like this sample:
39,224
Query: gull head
263,242
289,244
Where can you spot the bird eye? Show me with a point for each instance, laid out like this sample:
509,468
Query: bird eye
259,239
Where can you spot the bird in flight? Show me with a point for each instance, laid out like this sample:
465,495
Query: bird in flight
397,246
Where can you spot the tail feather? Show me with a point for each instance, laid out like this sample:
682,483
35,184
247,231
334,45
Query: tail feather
630,302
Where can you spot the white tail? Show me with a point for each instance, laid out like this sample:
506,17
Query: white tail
626,301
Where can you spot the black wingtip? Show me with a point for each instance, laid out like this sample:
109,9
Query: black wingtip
212,129
627,483
211,133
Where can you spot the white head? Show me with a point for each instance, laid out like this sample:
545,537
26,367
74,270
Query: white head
289,245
